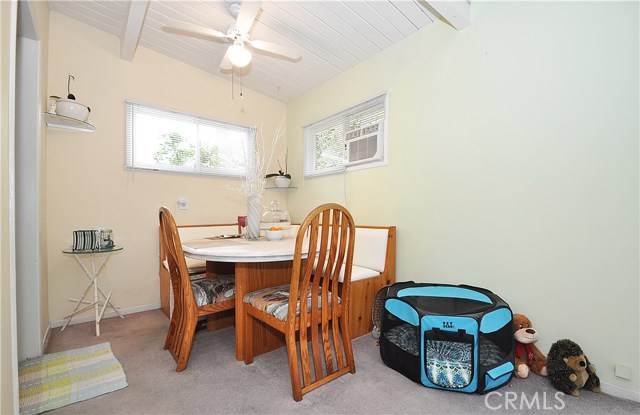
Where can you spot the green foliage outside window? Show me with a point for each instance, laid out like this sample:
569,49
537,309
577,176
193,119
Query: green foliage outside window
210,157
174,150
329,148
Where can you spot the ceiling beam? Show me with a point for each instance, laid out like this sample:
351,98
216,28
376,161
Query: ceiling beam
455,12
133,28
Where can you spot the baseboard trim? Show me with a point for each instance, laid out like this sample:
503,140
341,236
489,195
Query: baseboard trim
107,314
619,391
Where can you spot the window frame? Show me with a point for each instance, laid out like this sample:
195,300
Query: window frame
341,119
133,108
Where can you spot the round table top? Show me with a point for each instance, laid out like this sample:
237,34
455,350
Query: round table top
242,250
70,250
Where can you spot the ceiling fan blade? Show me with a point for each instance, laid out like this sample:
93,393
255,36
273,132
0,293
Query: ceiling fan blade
248,12
286,51
192,29
226,65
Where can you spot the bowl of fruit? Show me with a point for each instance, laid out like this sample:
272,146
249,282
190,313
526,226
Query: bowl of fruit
274,233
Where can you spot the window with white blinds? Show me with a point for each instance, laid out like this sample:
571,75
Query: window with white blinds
161,139
351,138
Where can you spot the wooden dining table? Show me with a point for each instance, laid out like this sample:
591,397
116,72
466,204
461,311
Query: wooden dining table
259,264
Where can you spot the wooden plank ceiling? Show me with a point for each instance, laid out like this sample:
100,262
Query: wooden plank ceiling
333,36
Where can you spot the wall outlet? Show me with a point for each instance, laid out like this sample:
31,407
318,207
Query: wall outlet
623,372
183,203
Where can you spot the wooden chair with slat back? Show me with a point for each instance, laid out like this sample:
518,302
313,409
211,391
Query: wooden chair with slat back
324,350
211,295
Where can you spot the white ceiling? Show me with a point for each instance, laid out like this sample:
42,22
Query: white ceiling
333,36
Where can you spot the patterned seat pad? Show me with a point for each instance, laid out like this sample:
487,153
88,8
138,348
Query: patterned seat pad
275,301
213,290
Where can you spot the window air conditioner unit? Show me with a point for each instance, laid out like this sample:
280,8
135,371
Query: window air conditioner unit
364,144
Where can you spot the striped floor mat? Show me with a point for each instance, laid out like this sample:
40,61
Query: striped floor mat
60,379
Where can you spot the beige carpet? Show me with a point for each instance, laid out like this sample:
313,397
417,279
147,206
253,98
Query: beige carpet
215,383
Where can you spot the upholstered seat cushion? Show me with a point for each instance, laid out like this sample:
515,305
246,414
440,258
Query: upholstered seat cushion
213,290
275,301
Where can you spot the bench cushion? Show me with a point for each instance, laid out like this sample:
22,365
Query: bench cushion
357,273
370,249
195,266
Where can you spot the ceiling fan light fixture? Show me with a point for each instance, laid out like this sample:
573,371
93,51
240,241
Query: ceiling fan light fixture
239,55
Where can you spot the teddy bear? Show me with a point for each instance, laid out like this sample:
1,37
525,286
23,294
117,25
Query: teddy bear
527,355
570,369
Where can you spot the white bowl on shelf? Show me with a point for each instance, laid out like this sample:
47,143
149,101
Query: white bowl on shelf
282,181
72,109
274,235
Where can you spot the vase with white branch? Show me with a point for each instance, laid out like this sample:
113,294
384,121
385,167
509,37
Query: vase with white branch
253,182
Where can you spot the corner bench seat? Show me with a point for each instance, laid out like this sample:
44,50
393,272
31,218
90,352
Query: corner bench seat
374,266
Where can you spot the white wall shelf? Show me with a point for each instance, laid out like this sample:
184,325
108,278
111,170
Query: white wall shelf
66,123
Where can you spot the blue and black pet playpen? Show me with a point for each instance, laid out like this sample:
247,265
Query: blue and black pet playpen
446,336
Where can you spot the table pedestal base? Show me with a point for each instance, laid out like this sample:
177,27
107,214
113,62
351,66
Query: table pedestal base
251,276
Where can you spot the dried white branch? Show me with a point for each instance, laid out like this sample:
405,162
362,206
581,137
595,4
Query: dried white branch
257,164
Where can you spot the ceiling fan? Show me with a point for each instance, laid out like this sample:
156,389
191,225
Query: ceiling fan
237,54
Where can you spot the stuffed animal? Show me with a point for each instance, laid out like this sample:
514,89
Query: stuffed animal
569,369
528,356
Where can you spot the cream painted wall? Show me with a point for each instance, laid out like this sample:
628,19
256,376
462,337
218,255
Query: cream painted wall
513,148
87,183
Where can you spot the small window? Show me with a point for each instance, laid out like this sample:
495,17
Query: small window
352,138
161,139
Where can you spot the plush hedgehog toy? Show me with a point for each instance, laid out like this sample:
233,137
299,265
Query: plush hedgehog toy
569,369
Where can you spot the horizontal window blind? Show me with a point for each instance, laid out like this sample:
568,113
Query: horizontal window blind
324,145
167,140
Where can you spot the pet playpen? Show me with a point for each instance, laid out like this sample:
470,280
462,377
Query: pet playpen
448,337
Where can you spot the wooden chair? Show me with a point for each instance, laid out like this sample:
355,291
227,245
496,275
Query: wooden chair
194,266
214,295
323,351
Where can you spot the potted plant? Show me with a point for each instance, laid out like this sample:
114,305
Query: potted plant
281,178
